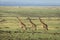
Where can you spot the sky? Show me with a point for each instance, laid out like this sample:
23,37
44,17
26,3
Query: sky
29,2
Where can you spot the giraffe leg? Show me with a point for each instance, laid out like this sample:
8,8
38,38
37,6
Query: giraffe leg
33,28
23,28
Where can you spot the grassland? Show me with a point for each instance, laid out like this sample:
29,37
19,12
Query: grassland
10,28
31,11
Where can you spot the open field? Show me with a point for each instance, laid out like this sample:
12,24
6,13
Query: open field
10,29
30,11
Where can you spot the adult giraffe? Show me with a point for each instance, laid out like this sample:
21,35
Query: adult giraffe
44,24
23,26
33,25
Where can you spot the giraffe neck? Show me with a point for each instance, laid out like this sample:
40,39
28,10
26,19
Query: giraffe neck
19,20
41,21
30,21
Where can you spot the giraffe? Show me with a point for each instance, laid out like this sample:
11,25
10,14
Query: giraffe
33,25
23,26
44,25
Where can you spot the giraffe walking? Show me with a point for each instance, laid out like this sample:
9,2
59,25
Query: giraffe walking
33,25
44,25
23,26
